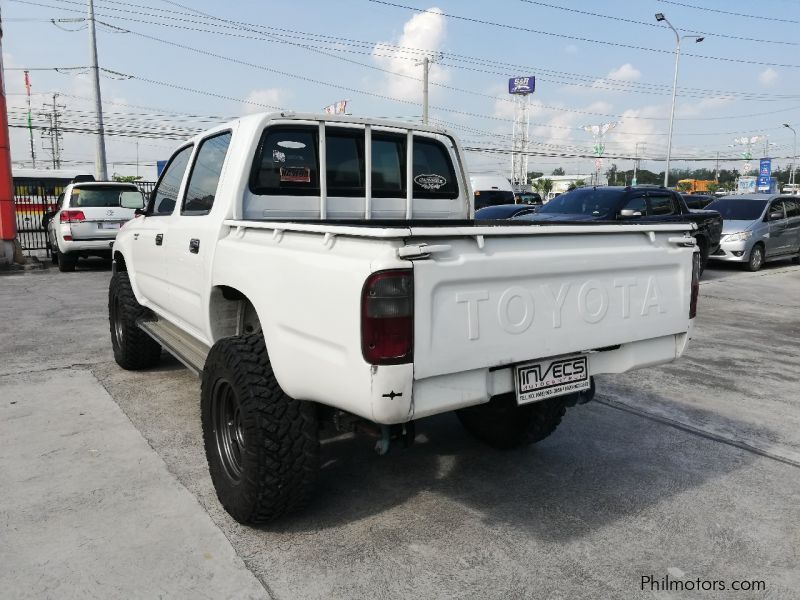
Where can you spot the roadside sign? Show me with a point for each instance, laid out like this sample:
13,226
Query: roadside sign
522,85
765,167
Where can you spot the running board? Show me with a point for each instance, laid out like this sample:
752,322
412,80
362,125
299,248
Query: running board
191,352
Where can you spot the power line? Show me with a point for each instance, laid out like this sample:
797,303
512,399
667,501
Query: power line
584,80
579,38
590,81
734,14
648,24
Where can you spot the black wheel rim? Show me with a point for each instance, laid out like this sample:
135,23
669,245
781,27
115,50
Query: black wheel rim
228,431
116,319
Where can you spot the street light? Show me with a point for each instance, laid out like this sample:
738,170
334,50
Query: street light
678,37
794,156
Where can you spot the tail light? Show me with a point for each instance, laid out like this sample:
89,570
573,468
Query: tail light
387,317
695,285
72,216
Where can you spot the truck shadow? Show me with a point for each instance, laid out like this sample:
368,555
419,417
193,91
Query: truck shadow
600,466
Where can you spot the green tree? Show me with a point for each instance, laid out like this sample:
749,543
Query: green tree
713,188
684,186
125,178
558,171
612,174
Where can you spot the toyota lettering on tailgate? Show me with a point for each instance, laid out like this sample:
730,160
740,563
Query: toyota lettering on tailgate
517,307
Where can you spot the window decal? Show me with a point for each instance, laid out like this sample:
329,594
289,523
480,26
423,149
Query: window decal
296,174
430,181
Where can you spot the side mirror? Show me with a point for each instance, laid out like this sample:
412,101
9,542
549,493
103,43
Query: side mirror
775,216
140,212
627,213
133,200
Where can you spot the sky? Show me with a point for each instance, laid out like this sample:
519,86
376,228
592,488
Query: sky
174,68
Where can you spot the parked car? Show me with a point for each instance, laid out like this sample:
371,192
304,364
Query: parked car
491,190
641,204
697,200
529,198
504,211
304,299
87,219
758,228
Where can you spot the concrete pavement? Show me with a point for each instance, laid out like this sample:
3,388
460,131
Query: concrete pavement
609,498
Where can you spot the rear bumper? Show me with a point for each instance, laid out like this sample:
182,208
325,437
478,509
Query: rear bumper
91,246
445,393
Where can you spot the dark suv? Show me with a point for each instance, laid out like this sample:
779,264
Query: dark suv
645,203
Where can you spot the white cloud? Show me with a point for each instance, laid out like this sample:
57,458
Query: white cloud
768,76
626,72
424,30
266,99
694,109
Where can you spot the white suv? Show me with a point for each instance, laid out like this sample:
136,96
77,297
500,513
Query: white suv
87,219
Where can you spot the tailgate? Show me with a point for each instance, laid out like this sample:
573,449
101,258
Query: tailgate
534,296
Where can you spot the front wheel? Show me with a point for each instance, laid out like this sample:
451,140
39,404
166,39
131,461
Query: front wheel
133,348
503,424
261,445
756,260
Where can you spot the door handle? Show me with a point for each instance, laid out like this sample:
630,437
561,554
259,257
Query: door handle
159,239
194,245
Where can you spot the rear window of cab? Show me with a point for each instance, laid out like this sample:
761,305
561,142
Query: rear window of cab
98,196
287,163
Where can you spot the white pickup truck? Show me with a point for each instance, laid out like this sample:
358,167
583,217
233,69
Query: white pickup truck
325,270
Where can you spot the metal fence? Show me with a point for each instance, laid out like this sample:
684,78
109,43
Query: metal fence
33,199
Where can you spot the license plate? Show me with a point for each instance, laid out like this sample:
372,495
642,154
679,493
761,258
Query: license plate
108,225
551,377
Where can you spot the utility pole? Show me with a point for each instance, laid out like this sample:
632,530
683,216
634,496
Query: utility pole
426,67
52,133
426,63
636,161
56,134
30,123
100,150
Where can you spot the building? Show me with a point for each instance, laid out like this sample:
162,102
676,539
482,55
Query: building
561,183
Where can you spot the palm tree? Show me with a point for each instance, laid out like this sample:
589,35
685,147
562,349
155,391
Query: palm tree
547,187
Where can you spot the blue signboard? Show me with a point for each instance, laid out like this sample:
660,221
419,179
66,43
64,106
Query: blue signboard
160,164
521,85
765,168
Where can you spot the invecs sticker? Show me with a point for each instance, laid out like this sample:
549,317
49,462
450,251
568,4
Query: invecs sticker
430,182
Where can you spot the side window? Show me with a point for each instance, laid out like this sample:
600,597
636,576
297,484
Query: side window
661,205
204,176
60,201
165,194
776,206
638,204
388,166
792,208
286,162
344,157
434,176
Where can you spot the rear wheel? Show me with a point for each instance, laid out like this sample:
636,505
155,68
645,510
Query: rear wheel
702,245
66,262
756,260
133,348
503,424
261,445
